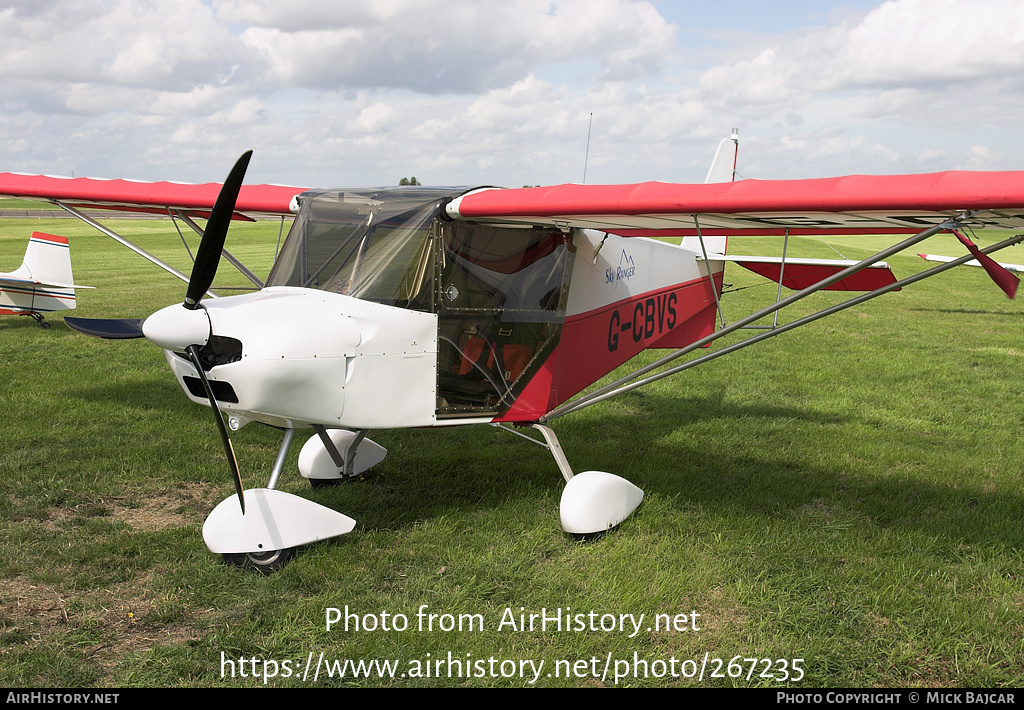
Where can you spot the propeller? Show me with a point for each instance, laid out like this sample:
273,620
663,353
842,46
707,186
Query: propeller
188,330
203,272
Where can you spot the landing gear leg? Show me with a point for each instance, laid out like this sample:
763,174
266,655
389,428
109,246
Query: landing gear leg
282,454
342,461
593,502
337,455
38,318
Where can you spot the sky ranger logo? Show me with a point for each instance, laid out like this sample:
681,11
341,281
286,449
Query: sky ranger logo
624,271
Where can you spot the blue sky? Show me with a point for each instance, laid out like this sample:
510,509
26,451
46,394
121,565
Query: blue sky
458,92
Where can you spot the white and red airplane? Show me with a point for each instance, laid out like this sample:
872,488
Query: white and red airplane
43,283
421,307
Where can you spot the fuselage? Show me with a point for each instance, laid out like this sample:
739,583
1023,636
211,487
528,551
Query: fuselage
381,312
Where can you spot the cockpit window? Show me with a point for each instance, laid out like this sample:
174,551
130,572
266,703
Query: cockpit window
370,244
501,295
499,292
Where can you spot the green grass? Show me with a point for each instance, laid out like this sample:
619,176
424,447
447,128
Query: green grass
849,494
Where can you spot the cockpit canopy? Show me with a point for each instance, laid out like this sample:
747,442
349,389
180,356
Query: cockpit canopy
499,292
367,243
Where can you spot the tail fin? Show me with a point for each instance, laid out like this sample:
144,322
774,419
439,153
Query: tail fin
723,169
723,166
43,282
48,260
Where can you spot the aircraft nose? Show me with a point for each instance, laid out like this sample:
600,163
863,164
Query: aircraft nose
176,327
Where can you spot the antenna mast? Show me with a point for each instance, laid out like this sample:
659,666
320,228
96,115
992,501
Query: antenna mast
586,156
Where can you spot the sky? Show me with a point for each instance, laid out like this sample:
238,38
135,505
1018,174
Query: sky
518,92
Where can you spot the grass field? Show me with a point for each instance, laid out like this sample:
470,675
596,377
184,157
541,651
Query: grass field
848,494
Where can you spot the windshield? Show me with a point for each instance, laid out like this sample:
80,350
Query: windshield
370,244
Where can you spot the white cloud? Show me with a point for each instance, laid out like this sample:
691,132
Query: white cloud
462,91
439,46
906,47
161,44
938,42
980,157
375,118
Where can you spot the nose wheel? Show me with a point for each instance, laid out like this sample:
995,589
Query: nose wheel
274,523
264,562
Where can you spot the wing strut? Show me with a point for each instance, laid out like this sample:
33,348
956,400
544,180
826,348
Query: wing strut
171,214
623,383
802,321
707,268
782,274
242,269
118,238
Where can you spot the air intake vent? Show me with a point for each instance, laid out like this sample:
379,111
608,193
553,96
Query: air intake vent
222,391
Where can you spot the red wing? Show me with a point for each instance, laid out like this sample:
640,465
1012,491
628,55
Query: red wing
856,204
194,200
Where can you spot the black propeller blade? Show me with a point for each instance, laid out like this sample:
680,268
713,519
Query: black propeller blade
111,328
212,244
193,353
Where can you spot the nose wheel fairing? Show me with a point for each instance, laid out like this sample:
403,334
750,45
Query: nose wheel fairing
274,520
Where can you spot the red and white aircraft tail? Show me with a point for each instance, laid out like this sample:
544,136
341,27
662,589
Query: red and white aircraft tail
794,274
43,283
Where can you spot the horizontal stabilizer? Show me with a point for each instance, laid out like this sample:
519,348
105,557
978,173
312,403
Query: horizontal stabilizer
798,274
6,280
1018,268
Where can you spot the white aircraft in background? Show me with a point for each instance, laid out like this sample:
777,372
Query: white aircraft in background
43,283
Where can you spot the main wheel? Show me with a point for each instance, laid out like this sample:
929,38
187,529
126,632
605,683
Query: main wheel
318,483
264,562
